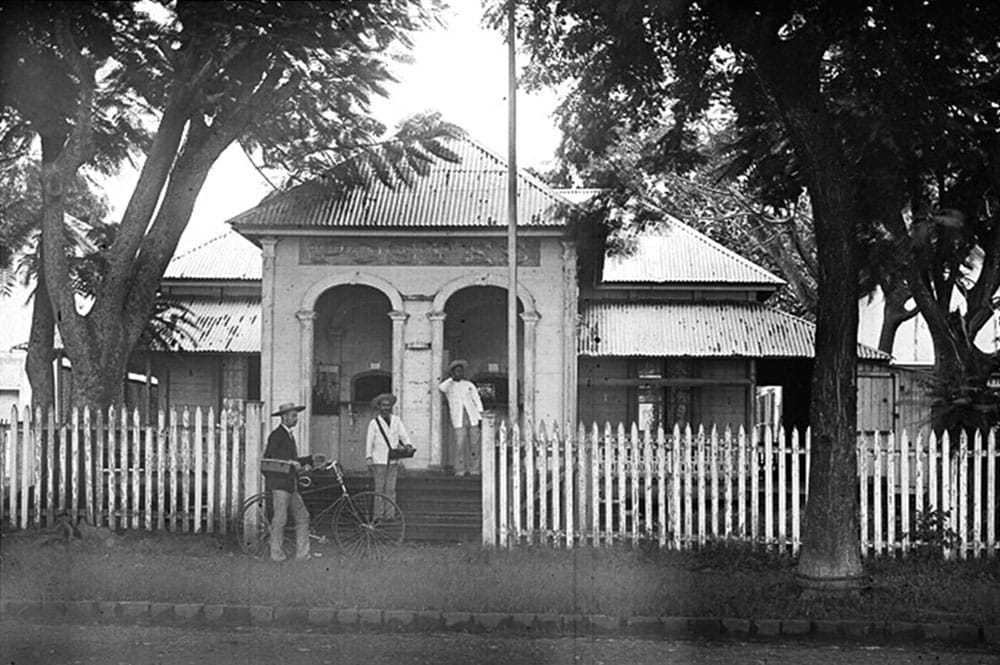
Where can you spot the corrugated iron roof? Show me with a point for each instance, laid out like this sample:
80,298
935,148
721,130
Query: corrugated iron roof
228,256
688,329
470,193
230,325
676,253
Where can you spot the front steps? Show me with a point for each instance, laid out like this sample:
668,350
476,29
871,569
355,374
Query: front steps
437,507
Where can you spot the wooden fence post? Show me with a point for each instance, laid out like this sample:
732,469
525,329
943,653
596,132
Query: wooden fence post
253,428
502,481
147,466
224,498
199,462
135,466
517,445
14,441
161,470
186,470
88,464
6,434
211,442
904,496
487,459
796,492
595,485
32,433
992,460
173,446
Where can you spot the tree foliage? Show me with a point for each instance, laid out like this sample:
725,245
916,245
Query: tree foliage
908,92
853,103
98,82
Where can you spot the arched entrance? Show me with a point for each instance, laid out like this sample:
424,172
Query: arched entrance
352,355
475,329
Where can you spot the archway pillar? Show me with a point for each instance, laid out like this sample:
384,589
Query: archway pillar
306,318
437,359
398,325
267,249
530,351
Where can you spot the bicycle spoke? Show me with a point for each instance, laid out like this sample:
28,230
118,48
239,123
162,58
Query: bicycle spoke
358,532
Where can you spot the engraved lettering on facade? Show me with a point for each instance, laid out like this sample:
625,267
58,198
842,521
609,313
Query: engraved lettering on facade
417,251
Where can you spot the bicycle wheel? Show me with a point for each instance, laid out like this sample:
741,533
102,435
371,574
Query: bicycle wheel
253,527
368,524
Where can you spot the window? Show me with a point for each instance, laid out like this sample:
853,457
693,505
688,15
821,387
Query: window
369,385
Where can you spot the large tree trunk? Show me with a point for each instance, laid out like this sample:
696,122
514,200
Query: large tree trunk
41,342
831,547
831,553
789,71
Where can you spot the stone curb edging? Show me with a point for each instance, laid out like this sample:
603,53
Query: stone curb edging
651,627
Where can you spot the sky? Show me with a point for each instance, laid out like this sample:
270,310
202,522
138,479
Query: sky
459,69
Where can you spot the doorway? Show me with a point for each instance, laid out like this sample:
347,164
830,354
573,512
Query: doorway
352,351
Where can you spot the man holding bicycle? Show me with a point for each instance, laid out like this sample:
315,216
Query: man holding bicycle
280,467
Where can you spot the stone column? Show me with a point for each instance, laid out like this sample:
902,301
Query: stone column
398,323
267,287
437,356
306,342
530,333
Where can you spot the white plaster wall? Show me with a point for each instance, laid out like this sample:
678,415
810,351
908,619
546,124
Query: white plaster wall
418,285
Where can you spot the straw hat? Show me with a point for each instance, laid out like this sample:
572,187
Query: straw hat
286,407
458,363
384,397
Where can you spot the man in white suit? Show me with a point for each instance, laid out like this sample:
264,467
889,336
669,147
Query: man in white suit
466,411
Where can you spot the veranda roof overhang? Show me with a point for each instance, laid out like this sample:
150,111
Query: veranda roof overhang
229,325
697,329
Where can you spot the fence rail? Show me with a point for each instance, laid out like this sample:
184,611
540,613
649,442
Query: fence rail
686,488
186,472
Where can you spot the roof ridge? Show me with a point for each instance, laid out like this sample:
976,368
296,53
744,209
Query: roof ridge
703,237
202,245
521,171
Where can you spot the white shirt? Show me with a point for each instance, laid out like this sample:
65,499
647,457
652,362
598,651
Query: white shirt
462,395
375,444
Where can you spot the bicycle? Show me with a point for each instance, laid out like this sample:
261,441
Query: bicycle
351,518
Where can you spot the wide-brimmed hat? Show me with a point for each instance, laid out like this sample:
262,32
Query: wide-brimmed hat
384,397
458,363
288,406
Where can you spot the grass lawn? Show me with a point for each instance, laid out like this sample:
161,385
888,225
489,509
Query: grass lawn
720,582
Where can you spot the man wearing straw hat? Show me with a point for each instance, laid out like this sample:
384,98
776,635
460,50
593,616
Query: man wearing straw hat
384,431
284,485
465,408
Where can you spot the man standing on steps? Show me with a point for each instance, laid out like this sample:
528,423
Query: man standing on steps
283,485
465,408
384,431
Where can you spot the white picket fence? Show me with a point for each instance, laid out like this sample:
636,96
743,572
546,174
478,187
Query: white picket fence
184,473
685,489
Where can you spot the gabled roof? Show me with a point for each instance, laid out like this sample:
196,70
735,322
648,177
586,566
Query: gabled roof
697,329
674,253
471,193
228,256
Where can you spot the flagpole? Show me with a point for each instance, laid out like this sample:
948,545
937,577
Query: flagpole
512,364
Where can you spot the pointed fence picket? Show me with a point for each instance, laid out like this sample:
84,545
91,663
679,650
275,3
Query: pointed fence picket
187,471
683,489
